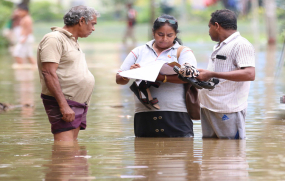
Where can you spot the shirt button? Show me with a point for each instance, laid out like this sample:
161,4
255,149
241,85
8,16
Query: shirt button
157,130
154,118
160,117
162,130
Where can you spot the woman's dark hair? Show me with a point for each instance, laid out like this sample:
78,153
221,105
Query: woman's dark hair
157,25
226,19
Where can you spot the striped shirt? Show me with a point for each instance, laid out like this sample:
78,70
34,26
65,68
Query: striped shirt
229,96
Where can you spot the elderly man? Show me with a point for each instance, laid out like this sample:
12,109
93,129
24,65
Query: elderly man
223,109
67,84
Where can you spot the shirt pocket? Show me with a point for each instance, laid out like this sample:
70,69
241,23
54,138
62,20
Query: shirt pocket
226,65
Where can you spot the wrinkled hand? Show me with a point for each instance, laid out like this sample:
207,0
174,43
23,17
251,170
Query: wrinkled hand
136,65
204,75
68,114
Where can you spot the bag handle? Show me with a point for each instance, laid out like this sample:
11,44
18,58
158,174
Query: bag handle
179,50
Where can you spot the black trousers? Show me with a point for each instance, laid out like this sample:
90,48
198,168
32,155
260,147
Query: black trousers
163,124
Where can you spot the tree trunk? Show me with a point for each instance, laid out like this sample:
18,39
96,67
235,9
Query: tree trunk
270,17
152,18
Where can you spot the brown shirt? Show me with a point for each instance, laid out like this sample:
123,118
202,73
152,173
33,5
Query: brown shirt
75,80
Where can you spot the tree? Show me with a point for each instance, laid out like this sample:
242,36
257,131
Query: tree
270,16
152,17
6,11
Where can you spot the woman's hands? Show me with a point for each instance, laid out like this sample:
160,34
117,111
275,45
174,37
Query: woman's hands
135,66
123,80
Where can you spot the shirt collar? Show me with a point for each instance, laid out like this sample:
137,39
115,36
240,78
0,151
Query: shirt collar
175,46
230,38
67,33
226,41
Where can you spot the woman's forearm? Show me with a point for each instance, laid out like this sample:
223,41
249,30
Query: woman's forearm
170,78
121,80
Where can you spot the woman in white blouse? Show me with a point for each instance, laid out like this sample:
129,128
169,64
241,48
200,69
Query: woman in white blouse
172,119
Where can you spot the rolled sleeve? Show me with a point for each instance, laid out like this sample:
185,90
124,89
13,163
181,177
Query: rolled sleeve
50,50
245,56
129,61
187,56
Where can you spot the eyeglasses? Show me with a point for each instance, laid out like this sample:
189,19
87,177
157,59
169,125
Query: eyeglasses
163,20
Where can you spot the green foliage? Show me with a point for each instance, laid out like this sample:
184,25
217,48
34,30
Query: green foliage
6,11
143,14
204,15
4,43
281,15
46,11
117,2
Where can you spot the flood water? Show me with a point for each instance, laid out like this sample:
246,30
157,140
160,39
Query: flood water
108,150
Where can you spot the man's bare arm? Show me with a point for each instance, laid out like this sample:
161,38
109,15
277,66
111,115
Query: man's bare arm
244,74
52,83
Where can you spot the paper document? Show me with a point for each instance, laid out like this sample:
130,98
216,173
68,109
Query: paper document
149,72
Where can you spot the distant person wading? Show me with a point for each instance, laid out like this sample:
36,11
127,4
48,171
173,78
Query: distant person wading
131,22
24,46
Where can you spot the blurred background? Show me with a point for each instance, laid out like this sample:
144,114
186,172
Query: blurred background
265,17
107,149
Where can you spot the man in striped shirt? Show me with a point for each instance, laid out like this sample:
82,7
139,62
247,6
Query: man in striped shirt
223,109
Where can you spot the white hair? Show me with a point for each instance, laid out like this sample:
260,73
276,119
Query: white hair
73,16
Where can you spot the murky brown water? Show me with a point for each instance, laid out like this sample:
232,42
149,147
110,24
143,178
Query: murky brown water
108,150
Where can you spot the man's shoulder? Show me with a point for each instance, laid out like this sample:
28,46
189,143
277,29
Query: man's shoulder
242,41
54,34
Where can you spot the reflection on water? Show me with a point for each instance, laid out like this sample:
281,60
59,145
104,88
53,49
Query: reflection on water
167,159
108,150
68,161
224,159
25,90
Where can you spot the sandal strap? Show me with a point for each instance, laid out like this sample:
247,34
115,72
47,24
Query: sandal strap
154,101
144,100
143,85
154,84
147,84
